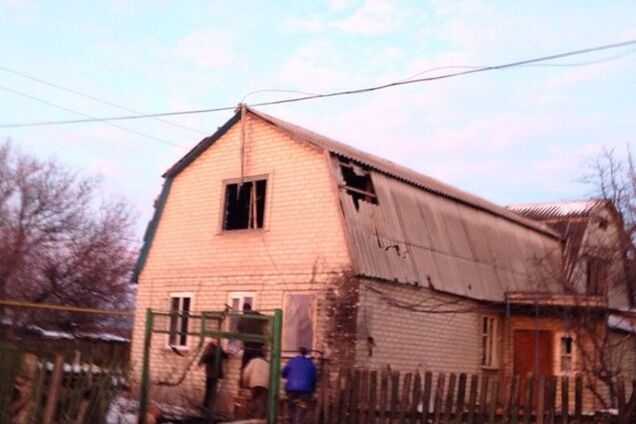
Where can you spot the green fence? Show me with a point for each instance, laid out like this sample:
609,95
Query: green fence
35,388
175,324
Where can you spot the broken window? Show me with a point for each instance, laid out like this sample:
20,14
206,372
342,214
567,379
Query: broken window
567,348
298,321
488,342
358,184
244,205
237,302
179,319
596,276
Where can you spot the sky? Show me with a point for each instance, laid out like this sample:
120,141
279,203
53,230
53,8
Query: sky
512,136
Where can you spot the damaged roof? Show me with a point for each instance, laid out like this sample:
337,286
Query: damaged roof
548,211
422,231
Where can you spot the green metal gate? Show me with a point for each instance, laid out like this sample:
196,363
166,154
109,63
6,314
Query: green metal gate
211,325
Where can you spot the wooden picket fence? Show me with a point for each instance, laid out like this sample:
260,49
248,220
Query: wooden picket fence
372,397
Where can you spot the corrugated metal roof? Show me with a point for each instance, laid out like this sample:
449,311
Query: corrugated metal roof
557,210
399,171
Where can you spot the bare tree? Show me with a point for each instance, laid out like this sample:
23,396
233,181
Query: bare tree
58,242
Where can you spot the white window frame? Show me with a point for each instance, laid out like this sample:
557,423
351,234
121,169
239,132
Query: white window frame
314,317
241,295
488,340
560,354
180,296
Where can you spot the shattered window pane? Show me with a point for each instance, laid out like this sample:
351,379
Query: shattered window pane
244,205
358,184
298,321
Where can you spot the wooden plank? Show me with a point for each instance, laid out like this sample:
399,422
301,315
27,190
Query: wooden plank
540,400
439,396
483,399
551,386
494,399
323,389
461,397
565,400
405,404
48,416
416,398
353,404
426,396
336,406
373,396
507,392
384,396
395,396
578,400
363,397
346,408
450,398
472,399
527,399
514,400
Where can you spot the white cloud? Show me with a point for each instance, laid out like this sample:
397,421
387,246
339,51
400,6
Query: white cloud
374,17
209,49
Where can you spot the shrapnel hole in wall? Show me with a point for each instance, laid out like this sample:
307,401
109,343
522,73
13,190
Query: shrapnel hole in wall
358,183
244,206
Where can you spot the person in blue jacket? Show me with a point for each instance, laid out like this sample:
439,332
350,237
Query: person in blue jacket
300,373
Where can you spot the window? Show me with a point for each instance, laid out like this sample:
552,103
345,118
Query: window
489,342
358,184
596,276
237,302
567,349
180,307
298,321
244,206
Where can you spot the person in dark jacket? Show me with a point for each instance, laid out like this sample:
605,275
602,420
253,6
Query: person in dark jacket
300,373
213,371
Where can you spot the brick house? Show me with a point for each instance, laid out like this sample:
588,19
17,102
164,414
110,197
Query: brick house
373,264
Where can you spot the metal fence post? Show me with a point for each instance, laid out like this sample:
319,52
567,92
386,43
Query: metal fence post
143,396
274,368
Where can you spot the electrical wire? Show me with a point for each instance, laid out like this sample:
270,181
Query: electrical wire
470,70
94,98
90,118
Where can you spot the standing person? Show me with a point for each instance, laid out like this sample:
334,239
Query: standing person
213,371
256,378
249,323
300,373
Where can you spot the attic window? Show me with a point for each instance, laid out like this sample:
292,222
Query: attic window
358,184
596,276
244,205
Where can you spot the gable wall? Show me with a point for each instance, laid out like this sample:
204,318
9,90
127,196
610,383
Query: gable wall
301,247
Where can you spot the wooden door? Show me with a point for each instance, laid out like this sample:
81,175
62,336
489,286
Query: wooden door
533,352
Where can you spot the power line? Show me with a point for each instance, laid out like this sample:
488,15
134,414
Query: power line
90,118
471,70
96,99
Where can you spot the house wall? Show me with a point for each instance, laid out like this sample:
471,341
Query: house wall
558,326
427,340
301,247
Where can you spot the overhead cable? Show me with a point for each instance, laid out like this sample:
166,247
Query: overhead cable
471,70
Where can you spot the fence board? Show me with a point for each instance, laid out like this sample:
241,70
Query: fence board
416,397
578,399
405,401
565,400
395,396
540,399
494,397
551,387
355,390
450,394
426,396
439,396
527,399
363,398
472,399
483,399
461,395
514,399
373,395
384,396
